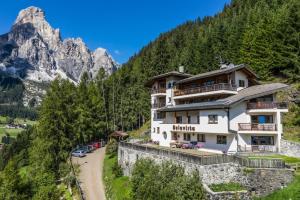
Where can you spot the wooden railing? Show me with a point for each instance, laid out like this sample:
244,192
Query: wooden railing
204,159
159,90
257,127
267,105
215,87
158,105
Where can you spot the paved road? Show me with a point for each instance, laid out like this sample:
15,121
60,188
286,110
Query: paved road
90,176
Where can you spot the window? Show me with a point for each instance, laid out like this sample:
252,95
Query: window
221,139
262,140
189,119
158,129
187,136
179,120
154,130
198,119
200,137
169,85
212,119
241,83
174,136
169,99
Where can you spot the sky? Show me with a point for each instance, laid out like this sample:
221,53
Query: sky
123,27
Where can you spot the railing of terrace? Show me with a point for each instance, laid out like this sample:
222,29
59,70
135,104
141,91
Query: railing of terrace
257,127
267,105
159,90
206,159
158,105
214,87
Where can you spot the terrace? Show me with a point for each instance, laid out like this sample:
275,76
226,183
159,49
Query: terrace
267,105
257,127
204,89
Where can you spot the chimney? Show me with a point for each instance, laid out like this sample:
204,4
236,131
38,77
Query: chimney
181,69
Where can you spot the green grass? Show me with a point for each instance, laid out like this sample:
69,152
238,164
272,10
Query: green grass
287,159
25,121
138,133
119,186
226,187
13,132
291,192
292,134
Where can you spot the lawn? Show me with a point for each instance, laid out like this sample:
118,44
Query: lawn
118,187
287,159
13,132
226,187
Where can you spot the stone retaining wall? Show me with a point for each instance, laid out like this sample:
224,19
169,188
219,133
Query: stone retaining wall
259,182
290,148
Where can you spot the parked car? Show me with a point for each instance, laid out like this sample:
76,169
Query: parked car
96,145
78,153
86,149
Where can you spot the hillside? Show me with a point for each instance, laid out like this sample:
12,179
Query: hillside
261,33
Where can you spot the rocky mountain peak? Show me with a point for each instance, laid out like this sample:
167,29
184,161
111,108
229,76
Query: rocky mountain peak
35,51
30,15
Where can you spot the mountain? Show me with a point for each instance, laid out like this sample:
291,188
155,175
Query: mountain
35,52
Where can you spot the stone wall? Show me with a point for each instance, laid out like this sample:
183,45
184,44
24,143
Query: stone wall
258,182
264,181
290,148
211,195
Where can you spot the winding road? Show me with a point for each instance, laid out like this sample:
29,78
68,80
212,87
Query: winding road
90,176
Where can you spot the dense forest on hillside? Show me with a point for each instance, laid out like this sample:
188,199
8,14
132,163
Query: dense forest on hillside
265,34
262,33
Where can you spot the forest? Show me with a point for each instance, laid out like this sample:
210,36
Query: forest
264,34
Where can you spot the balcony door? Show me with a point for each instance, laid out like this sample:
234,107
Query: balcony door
262,119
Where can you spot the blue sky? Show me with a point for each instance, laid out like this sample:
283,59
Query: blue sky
122,27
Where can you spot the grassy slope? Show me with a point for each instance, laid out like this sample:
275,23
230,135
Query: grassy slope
120,187
139,132
287,159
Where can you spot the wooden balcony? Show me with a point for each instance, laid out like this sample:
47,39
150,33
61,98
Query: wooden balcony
257,127
159,90
202,89
158,105
267,105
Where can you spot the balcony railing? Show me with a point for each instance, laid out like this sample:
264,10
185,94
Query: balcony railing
257,127
158,105
267,105
215,87
159,90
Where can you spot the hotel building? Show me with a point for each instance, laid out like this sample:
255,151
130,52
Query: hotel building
225,110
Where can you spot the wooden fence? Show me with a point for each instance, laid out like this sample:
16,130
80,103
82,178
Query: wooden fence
207,159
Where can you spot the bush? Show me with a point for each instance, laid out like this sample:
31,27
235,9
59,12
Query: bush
165,181
117,170
112,147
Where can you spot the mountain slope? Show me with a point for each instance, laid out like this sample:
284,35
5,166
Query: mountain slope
261,33
35,52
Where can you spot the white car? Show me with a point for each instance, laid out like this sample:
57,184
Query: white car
78,153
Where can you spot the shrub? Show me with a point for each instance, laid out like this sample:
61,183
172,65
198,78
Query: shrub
165,181
112,147
117,170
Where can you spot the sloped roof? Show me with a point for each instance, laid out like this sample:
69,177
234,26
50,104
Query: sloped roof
245,94
217,72
172,73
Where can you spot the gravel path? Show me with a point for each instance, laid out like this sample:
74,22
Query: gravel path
90,176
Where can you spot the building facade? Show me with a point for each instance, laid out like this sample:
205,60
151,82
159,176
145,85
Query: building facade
225,110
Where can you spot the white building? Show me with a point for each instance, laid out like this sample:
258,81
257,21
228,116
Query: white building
226,110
